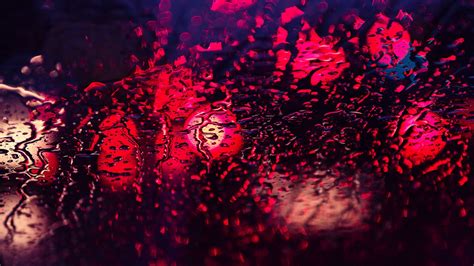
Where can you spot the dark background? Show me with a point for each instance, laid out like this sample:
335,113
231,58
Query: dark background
56,28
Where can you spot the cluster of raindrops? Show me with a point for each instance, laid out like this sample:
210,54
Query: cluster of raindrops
254,121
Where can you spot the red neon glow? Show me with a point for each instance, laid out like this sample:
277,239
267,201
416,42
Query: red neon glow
388,41
230,6
423,134
290,13
319,58
214,132
119,155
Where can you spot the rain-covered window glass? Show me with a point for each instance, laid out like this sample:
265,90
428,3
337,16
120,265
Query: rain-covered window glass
236,132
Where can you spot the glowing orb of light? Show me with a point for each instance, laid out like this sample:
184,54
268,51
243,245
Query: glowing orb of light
318,58
214,132
423,136
388,41
119,154
27,144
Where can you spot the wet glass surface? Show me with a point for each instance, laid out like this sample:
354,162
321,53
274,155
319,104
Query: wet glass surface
238,132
